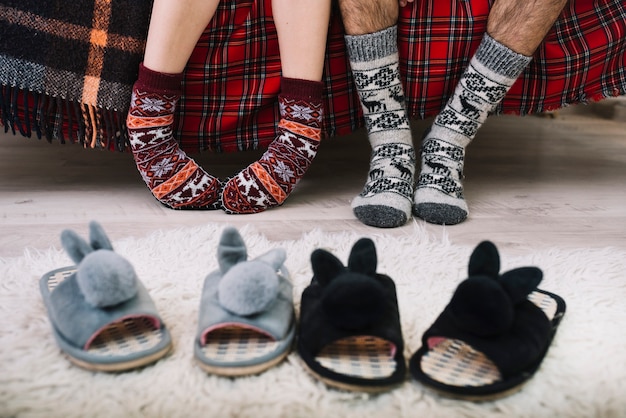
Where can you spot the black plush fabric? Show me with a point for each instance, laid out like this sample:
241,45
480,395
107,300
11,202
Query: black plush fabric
342,302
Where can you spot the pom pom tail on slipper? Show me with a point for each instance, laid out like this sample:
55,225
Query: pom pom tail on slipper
350,335
246,320
492,336
102,316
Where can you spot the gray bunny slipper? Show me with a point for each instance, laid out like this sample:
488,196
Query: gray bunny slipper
246,320
102,316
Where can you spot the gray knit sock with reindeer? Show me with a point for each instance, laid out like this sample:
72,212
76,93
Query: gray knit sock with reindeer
386,199
491,72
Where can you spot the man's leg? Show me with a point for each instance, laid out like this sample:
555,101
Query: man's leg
174,179
302,28
514,31
371,42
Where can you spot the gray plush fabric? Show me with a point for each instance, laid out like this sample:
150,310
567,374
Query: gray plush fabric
248,288
106,279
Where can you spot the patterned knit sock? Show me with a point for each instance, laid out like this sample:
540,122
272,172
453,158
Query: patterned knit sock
489,76
386,199
173,178
266,183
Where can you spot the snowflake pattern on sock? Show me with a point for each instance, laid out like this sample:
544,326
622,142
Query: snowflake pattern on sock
267,182
172,177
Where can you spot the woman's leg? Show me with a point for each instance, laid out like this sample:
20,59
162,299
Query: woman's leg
302,28
173,178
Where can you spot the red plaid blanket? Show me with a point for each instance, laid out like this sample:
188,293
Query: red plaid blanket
232,80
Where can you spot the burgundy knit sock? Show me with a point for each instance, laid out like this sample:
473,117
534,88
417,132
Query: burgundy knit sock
173,178
267,182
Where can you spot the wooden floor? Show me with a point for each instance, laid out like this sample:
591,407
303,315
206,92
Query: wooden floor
530,182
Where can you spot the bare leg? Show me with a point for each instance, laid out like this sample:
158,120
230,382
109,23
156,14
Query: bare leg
172,177
363,17
302,28
522,25
175,27
371,43
514,31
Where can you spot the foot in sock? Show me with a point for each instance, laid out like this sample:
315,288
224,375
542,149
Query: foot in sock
172,177
491,72
266,183
387,196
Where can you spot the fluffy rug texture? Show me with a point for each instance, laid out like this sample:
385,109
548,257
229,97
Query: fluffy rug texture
583,375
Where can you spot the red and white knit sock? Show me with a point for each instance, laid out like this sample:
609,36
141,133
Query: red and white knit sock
173,178
266,183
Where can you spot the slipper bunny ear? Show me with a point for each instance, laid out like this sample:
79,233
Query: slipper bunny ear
231,249
519,282
325,266
363,257
484,260
99,239
75,246
275,258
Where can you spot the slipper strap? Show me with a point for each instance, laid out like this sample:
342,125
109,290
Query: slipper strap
78,321
276,320
513,351
318,329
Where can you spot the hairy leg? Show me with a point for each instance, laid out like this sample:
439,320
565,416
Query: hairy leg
522,25
363,17
514,31
302,28
371,43
172,177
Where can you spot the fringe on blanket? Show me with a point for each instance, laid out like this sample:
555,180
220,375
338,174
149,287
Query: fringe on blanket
63,120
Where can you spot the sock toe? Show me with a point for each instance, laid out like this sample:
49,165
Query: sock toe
440,213
380,216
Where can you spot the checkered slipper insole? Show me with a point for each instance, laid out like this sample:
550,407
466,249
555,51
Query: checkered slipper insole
454,363
127,337
239,345
365,357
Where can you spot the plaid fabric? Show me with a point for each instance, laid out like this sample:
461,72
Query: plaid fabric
232,80
83,56
232,83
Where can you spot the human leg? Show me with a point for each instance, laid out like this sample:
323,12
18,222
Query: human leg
514,31
173,178
302,29
371,42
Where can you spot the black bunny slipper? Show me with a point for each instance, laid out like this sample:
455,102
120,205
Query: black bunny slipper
350,335
494,333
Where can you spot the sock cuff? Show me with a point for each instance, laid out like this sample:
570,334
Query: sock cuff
295,88
372,46
500,58
158,82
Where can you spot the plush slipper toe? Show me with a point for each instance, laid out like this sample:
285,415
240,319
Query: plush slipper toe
492,336
246,322
350,335
102,316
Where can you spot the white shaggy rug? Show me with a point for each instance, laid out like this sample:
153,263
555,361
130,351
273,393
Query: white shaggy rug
584,374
